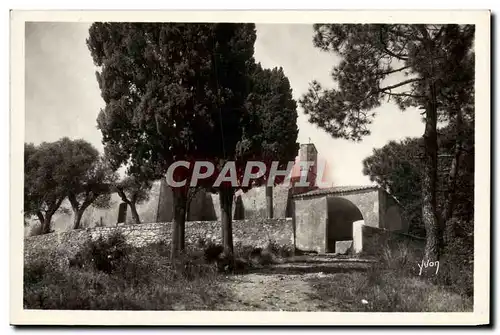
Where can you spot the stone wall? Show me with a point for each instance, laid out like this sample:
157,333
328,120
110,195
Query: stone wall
310,222
254,202
390,214
372,240
256,233
201,207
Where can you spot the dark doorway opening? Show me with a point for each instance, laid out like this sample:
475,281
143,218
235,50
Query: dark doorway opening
122,213
341,215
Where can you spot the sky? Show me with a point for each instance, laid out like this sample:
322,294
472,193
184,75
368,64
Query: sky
63,98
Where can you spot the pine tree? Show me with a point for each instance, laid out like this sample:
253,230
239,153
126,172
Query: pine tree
426,64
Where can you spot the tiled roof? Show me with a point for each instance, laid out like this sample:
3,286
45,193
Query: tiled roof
335,190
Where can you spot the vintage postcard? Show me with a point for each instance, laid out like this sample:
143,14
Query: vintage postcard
249,168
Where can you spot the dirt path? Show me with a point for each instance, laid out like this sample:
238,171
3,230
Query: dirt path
288,286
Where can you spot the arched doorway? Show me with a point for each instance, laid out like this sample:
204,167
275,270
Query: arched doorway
341,214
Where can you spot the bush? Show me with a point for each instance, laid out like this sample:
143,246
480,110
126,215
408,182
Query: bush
456,266
143,279
212,251
104,254
456,269
401,258
394,283
283,251
384,288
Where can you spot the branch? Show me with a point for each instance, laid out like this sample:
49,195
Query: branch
133,199
389,52
55,206
409,81
39,214
404,95
423,31
73,201
89,199
393,71
439,33
122,195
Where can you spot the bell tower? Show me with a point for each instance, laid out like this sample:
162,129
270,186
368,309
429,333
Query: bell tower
308,153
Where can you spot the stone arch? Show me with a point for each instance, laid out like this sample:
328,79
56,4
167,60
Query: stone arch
341,215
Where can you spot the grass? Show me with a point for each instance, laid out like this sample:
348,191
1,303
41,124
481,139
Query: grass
108,274
384,292
393,284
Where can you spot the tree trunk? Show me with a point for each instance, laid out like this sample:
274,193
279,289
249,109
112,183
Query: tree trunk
78,209
135,215
178,224
40,217
78,218
226,206
269,202
429,183
448,225
188,208
46,223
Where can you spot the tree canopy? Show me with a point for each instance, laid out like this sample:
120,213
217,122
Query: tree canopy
269,133
273,112
164,97
430,67
56,170
397,167
88,177
168,88
43,183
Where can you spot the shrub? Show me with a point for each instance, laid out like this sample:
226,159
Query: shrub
384,290
280,250
212,251
394,283
456,269
142,280
104,253
455,272
401,258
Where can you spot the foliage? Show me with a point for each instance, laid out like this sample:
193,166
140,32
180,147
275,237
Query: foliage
44,184
65,168
397,167
272,131
135,284
163,94
458,266
430,67
372,53
89,177
167,88
32,197
134,190
393,284
105,253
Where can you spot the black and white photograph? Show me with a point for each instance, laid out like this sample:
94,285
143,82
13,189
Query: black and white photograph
249,162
